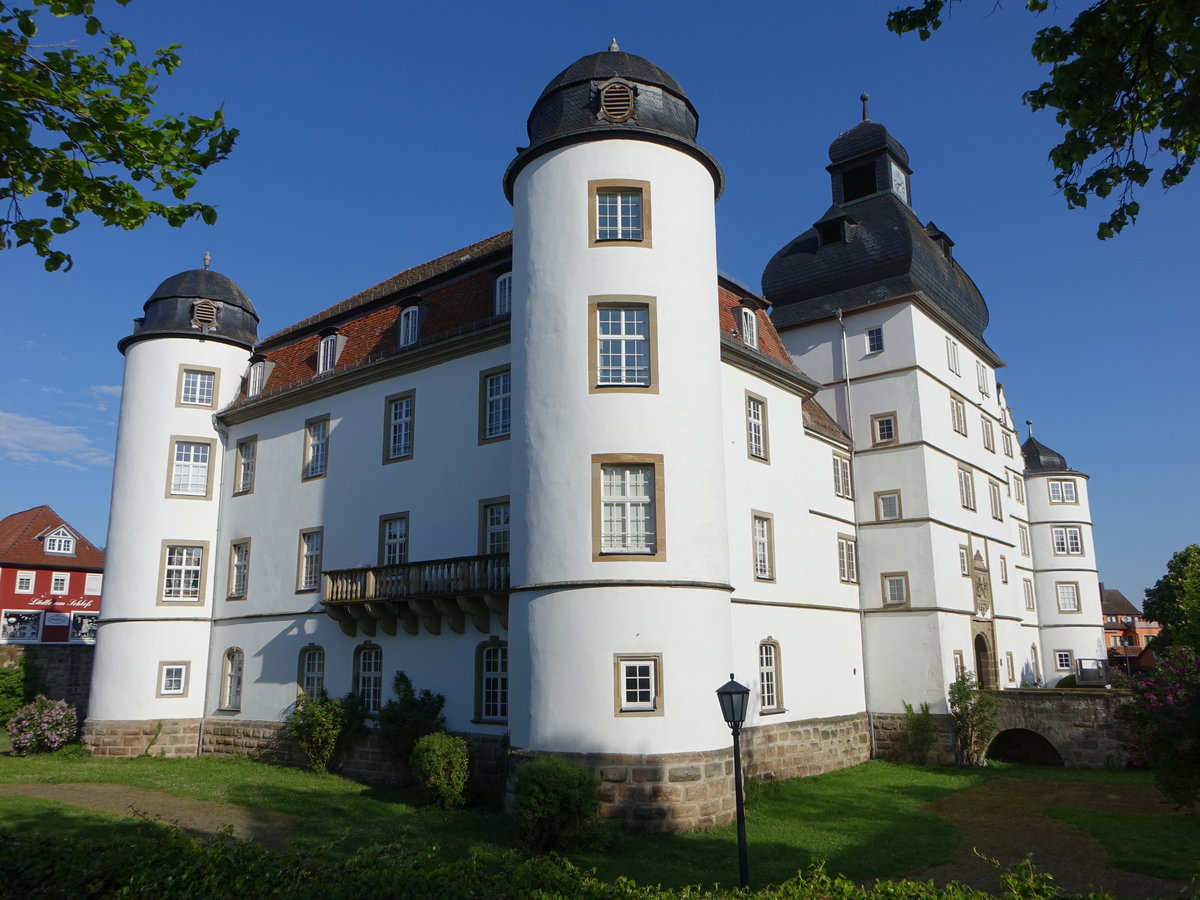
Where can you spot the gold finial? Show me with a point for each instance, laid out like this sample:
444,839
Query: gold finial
207,259
864,97
613,48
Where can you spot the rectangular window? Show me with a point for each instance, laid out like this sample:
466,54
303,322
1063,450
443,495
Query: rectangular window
1019,488
189,472
994,496
1068,596
495,526
502,295
1063,660
874,340
1006,442
958,415
60,583
20,625
887,505
1027,588
308,575
1068,541
370,678
622,345
231,681
1062,491
83,627
762,526
1003,569
239,568
620,212
399,411
847,559
312,671
966,488
842,484
410,326
749,328
964,560
895,588
25,582
172,679
952,355
197,387
756,427
258,377
183,572
247,453
883,429
493,681
1009,665
960,668
316,447
983,379
638,684
989,435
768,676
1023,539
393,540
495,405
627,511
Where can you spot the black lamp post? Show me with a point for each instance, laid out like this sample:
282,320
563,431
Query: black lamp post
734,698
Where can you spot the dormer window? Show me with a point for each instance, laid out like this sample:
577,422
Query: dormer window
617,101
831,232
204,314
258,376
749,328
410,326
326,353
60,542
502,298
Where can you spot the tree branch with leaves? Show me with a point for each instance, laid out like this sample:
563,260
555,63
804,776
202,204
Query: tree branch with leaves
78,135
1124,83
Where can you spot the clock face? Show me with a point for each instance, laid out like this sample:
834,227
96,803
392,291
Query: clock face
899,182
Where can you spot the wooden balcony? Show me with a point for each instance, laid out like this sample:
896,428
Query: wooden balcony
433,592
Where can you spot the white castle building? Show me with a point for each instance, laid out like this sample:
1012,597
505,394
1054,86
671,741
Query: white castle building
571,478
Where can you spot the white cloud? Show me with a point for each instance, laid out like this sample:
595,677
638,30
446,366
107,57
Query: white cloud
24,439
105,390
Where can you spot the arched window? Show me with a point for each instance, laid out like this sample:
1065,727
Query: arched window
502,303
231,678
770,676
258,372
410,326
311,675
491,681
749,328
326,353
368,676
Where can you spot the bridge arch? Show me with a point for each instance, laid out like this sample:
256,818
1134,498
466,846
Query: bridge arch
1021,745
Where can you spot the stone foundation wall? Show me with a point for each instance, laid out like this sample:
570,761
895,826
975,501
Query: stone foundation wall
890,731
60,671
124,738
809,747
1079,722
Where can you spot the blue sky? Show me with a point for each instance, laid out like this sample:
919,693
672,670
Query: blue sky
374,137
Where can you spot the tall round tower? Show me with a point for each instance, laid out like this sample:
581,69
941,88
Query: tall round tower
183,362
621,574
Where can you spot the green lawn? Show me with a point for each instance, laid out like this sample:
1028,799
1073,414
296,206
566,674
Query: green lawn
866,822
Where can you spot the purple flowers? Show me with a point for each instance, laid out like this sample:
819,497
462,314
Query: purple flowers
43,726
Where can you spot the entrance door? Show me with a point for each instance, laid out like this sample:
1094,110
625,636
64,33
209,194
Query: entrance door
985,665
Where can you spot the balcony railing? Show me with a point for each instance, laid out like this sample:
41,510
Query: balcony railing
431,592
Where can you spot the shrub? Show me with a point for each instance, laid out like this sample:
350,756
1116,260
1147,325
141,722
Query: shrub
976,715
555,800
19,685
1162,724
440,762
917,738
43,726
314,724
409,717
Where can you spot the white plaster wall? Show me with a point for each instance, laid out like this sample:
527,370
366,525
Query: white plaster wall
908,659
125,672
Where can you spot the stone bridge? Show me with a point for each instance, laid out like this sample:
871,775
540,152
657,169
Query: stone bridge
1073,727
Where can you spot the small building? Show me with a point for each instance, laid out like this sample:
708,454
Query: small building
1126,633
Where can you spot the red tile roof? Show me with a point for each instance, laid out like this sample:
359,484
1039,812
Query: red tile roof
21,542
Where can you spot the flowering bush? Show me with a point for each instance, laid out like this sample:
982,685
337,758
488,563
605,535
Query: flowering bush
1162,724
42,726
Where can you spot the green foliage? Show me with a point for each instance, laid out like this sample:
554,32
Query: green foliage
1174,601
441,764
918,735
314,725
78,133
15,690
1164,846
43,726
555,800
1162,724
976,716
409,717
1121,83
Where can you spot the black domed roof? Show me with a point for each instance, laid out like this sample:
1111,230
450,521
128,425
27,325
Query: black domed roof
198,303
568,111
1041,459
865,139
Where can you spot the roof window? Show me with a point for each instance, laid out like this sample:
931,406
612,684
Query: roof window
616,101
204,314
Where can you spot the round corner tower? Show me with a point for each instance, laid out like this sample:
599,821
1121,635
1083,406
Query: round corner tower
621,579
183,362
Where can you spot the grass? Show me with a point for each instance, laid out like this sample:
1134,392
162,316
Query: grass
866,822
1168,847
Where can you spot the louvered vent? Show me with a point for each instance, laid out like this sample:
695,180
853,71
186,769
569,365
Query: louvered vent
616,101
204,313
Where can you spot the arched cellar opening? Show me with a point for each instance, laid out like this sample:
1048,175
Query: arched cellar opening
1020,745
